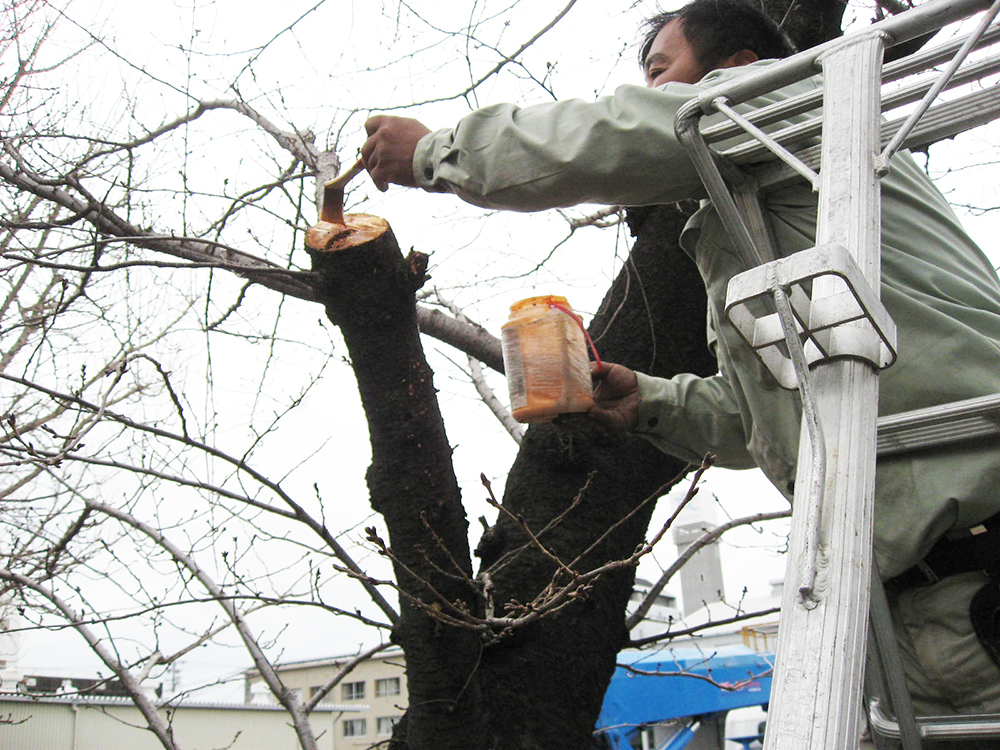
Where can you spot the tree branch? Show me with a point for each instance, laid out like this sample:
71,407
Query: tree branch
157,724
671,634
297,512
704,540
287,698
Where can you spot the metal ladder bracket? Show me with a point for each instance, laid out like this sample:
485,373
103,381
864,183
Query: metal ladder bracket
837,314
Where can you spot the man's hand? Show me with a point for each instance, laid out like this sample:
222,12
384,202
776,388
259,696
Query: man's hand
616,396
388,152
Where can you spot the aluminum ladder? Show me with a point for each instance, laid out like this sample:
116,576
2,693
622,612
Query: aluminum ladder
820,309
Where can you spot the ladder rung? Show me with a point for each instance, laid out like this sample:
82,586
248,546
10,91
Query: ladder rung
753,151
941,121
938,727
939,425
803,103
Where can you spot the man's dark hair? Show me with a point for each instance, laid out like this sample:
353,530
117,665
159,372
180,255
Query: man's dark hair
720,28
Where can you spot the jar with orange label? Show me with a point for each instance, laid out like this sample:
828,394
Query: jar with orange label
545,358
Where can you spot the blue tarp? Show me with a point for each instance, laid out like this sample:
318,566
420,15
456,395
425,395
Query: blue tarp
633,700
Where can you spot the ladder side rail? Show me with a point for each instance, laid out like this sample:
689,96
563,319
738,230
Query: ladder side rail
936,55
884,670
943,121
821,642
976,726
686,126
957,116
907,66
746,196
755,150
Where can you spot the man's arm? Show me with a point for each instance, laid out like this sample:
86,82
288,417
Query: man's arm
619,150
686,415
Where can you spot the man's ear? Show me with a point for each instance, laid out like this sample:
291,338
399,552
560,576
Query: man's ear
739,59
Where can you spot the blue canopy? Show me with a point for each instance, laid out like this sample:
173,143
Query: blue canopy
654,692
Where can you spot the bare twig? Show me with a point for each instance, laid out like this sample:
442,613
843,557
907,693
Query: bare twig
727,686
606,217
299,144
107,222
705,539
156,722
514,428
491,499
565,587
555,521
671,634
345,670
287,698
498,67
295,511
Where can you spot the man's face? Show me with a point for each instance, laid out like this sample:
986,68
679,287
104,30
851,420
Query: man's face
671,58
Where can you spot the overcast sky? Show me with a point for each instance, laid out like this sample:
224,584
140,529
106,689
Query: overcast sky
343,60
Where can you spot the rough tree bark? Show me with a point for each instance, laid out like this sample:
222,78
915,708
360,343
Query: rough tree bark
368,290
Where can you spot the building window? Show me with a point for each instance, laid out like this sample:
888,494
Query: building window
354,728
386,686
353,691
385,725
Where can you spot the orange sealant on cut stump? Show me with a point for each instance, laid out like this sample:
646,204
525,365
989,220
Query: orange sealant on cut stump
357,229
545,358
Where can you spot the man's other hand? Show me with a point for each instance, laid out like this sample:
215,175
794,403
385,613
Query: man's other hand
388,152
616,396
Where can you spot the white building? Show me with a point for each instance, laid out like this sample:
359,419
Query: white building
74,723
371,697
11,647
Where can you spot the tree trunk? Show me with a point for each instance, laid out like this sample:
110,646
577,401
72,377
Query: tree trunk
541,686
545,684
368,290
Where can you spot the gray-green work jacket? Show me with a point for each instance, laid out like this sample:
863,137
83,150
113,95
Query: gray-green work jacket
937,285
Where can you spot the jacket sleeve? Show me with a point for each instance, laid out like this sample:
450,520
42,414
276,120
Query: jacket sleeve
689,416
619,150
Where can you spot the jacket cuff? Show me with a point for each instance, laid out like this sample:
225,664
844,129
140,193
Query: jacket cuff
654,395
425,161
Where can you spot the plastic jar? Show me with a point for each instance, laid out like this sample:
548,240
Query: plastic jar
545,358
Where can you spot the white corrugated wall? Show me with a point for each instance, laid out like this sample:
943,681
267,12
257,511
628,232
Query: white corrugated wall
66,725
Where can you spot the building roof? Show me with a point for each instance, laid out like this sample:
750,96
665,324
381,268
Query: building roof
106,701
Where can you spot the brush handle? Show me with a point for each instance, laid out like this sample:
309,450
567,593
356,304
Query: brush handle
341,180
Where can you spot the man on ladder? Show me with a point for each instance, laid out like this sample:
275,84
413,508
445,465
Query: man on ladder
937,512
